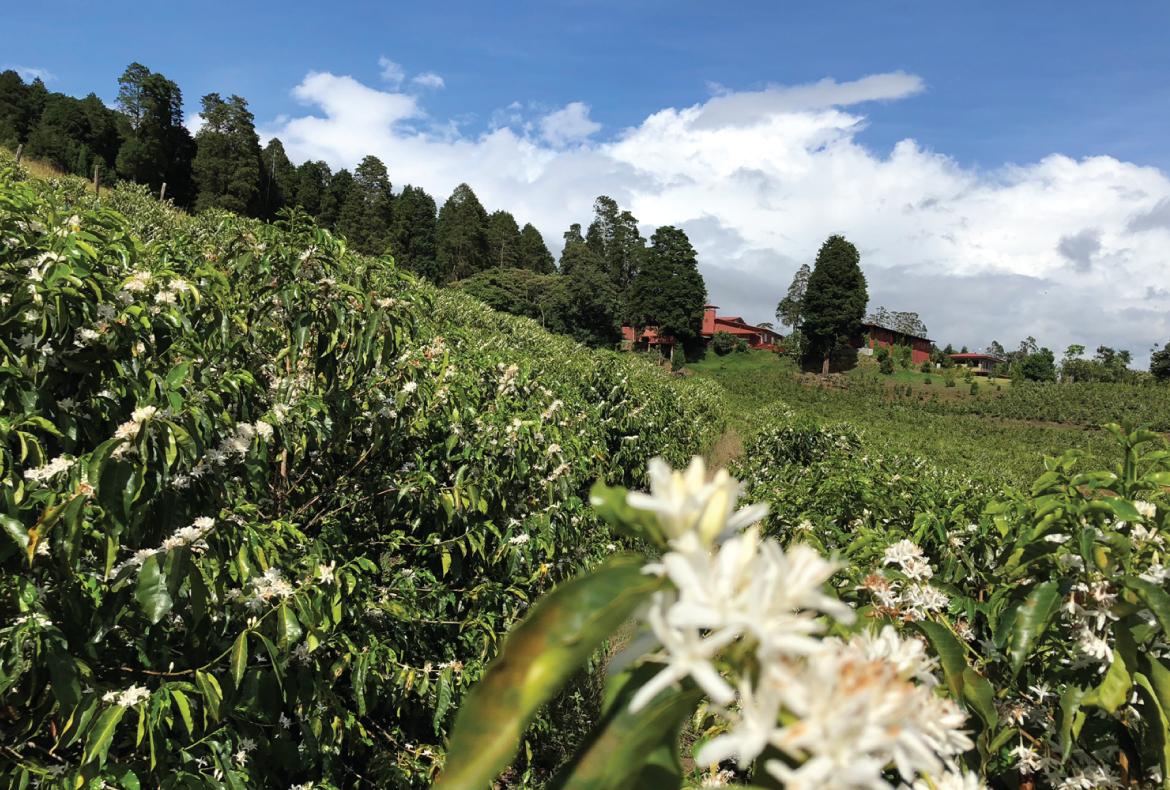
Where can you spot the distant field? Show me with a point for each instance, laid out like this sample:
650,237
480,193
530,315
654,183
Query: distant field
756,383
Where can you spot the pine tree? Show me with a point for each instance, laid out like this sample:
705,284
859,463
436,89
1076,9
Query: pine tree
573,240
367,212
461,237
614,236
227,159
1160,363
18,111
278,179
789,310
668,291
156,146
503,240
533,252
835,300
312,186
335,197
75,134
412,233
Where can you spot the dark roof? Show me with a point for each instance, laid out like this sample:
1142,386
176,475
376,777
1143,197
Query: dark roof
865,325
977,355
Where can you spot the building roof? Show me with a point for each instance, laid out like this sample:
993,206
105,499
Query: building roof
865,325
977,355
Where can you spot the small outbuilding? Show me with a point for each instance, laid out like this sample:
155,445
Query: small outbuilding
980,364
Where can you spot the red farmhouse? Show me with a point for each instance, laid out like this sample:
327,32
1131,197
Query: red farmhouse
756,336
874,336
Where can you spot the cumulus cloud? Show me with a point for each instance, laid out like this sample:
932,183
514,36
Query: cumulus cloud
30,73
429,79
391,73
1061,249
568,125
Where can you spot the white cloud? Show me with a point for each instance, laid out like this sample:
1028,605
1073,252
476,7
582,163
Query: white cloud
392,73
429,79
193,122
569,125
1065,250
30,73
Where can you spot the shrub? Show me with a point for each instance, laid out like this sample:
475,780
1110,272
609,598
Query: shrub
741,345
974,388
886,365
926,366
723,343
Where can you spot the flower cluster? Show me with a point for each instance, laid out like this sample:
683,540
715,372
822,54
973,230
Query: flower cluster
912,598
191,537
744,619
128,698
52,469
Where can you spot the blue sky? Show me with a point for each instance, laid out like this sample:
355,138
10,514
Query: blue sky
1000,165
1005,81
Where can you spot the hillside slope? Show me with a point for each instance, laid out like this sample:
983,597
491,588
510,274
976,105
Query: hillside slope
278,501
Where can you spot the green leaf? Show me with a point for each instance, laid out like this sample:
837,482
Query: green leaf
979,695
97,745
443,697
1159,735
634,749
560,633
1072,718
151,593
184,706
15,530
1122,508
1031,620
212,694
1154,597
288,629
611,507
239,658
950,654
1114,688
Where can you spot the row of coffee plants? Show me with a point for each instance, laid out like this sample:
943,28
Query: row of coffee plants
959,637
269,506
1082,403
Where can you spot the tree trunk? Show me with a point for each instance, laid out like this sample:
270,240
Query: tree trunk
825,365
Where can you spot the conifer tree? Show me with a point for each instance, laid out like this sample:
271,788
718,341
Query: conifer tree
412,234
335,197
614,236
18,112
835,300
365,216
156,146
668,291
569,254
312,187
227,159
791,306
503,240
533,252
585,302
278,179
461,236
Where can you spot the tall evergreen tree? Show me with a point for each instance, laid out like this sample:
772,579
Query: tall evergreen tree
461,236
533,253
614,236
1160,363
367,212
668,291
412,234
227,159
835,300
573,240
75,134
312,187
789,310
340,186
156,146
278,179
503,240
18,109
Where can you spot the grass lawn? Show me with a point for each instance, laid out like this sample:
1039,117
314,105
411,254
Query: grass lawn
758,384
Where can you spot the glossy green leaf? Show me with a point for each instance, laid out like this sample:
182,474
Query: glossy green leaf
1031,620
288,629
950,654
1114,688
184,706
1153,596
97,744
1072,718
558,635
239,658
1158,734
151,592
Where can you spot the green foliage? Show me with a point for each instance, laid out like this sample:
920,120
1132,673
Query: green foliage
517,291
835,299
269,505
503,240
1160,363
614,237
226,167
886,364
723,343
156,148
366,215
668,291
412,236
461,245
278,179
790,308
533,252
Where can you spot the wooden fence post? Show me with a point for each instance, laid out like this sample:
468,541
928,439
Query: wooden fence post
19,152
162,192
97,189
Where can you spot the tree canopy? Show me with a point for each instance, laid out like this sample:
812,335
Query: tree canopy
790,308
668,291
227,158
835,299
461,236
